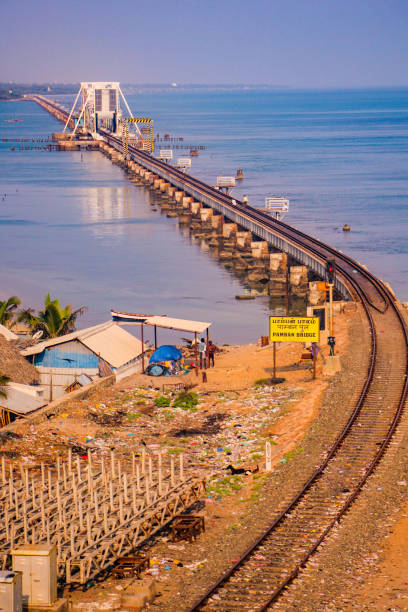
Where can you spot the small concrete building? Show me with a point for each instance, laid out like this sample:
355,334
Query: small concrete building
95,352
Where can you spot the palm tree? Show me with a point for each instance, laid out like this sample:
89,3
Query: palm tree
4,380
6,309
53,321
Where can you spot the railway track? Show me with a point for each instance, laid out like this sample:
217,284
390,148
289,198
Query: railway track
268,567
297,528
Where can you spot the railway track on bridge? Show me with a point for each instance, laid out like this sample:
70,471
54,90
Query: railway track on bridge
272,563
297,528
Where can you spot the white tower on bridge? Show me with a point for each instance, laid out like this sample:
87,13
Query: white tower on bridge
100,107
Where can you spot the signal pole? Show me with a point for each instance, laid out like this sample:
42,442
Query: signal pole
330,275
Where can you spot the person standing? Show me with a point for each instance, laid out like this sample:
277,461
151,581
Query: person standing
212,349
202,351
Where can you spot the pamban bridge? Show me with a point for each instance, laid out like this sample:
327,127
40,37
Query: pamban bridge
95,533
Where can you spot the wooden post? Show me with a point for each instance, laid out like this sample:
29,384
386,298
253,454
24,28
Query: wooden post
81,516
181,467
133,465
155,336
6,519
112,464
134,502
143,460
33,492
42,510
274,359
64,475
88,528
49,484
138,478
71,533
172,480
78,465
10,492
27,483
112,507
160,473
105,518
96,505
43,475
104,480
59,467
147,491
3,469
125,488
25,522
69,460
120,508
150,469
59,504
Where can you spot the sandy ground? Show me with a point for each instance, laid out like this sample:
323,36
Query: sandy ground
229,389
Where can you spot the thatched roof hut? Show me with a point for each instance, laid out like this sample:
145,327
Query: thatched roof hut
14,365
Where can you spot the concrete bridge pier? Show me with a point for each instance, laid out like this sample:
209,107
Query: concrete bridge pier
298,280
278,270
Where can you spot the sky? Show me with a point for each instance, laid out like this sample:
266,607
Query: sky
293,43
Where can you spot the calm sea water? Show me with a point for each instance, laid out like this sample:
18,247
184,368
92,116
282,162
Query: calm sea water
72,223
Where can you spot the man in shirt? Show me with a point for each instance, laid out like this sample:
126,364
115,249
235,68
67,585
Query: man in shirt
202,351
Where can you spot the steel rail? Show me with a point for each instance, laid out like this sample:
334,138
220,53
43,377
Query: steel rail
320,251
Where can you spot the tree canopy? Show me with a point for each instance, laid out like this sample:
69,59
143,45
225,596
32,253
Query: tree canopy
54,320
7,309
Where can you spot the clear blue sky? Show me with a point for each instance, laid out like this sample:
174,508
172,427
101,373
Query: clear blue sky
298,43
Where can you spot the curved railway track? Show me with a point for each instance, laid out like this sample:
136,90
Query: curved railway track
296,529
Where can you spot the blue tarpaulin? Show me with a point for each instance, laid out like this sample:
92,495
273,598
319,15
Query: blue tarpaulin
167,352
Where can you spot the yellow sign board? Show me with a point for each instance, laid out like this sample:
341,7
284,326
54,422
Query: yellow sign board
294,329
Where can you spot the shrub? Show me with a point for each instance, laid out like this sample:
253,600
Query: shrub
162,401
186,401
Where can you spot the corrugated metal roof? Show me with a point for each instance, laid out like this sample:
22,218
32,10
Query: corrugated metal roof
179,324
20,400
38,348
7,333
115,345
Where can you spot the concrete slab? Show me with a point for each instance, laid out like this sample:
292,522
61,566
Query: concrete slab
331,365
61,605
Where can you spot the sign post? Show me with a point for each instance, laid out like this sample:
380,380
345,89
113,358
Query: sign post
294,329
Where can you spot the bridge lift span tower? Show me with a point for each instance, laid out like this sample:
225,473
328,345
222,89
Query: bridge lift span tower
100,107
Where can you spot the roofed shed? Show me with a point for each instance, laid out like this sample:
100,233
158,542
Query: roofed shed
96,352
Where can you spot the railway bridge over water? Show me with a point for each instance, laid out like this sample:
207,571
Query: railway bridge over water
307,520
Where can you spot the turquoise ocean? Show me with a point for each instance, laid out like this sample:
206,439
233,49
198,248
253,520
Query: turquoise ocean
72,224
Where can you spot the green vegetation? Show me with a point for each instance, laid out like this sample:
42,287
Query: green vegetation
261,382
4,380
225,486
54,320
186,400
133,416
7,309
162,401
292,454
